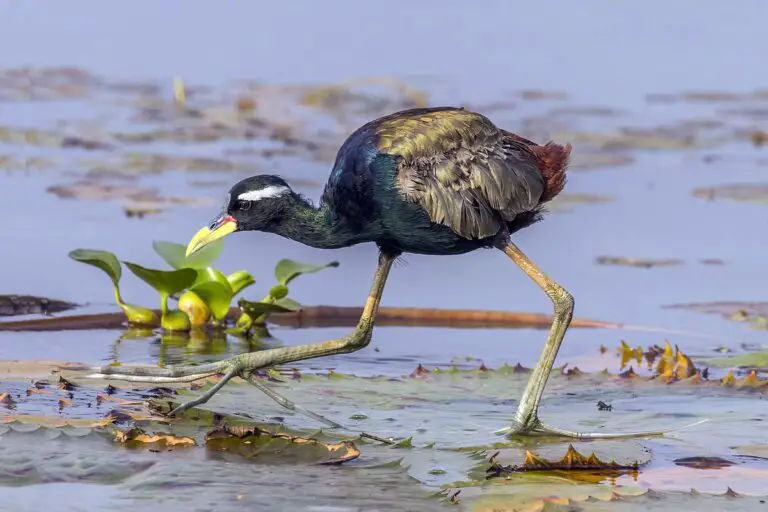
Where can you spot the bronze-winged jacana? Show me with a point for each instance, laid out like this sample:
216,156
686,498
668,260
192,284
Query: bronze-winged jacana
435,181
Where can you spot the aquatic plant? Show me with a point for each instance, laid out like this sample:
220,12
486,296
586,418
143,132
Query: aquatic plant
204,293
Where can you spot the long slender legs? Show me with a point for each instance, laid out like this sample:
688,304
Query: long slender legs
526,421
245,364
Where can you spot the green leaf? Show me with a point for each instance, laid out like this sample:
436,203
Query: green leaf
288,303
175,320
278,291
216,296
196,309
210,274
174,254
164,281
256,309
287,270
104,260
240,280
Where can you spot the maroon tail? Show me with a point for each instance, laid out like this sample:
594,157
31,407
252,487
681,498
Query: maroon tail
552,160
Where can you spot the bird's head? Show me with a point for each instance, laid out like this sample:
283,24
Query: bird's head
253,204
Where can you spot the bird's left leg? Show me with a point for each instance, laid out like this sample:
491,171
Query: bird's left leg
526,420
244,364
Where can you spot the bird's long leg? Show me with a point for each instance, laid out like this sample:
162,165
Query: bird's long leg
526,420
245,364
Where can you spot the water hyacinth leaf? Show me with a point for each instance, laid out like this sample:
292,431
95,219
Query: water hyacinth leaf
138,315
195,308
104,260
278,291
240,280
175,320
210,274
256,309
166,282
288,303
175,254
216,296
287,270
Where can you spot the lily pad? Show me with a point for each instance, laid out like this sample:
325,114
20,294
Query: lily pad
287,270
254,443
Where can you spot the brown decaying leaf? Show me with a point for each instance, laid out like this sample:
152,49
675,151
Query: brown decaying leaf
228,438
137,438
572,460
7,400
675,366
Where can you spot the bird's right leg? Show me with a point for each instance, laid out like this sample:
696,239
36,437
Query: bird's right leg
245,364
526,420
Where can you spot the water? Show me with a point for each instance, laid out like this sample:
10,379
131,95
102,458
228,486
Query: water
600,53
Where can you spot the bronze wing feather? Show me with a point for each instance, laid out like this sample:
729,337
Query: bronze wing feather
464,171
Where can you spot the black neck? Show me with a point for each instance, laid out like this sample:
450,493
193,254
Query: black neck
316,227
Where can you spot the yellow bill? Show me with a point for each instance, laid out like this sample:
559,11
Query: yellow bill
219,228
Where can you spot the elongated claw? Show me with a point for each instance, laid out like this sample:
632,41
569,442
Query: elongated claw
542,429
292,406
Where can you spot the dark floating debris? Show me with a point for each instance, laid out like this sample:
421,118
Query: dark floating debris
17,305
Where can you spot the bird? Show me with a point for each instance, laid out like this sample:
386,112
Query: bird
431,181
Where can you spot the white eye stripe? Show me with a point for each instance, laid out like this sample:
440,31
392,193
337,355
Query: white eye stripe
264,193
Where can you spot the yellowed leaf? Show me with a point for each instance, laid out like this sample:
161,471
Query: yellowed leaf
136,437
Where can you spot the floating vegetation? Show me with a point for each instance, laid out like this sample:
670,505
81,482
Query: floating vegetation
637,262
204,293
739,192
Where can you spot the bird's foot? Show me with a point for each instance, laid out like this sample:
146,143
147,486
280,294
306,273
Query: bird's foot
229,368
535,427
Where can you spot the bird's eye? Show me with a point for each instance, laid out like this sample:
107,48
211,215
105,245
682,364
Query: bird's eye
243,205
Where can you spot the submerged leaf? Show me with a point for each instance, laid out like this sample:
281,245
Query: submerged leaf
175,254
255,442
287,270
104,260
164,281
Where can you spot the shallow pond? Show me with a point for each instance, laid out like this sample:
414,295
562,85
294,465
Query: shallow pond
81,147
